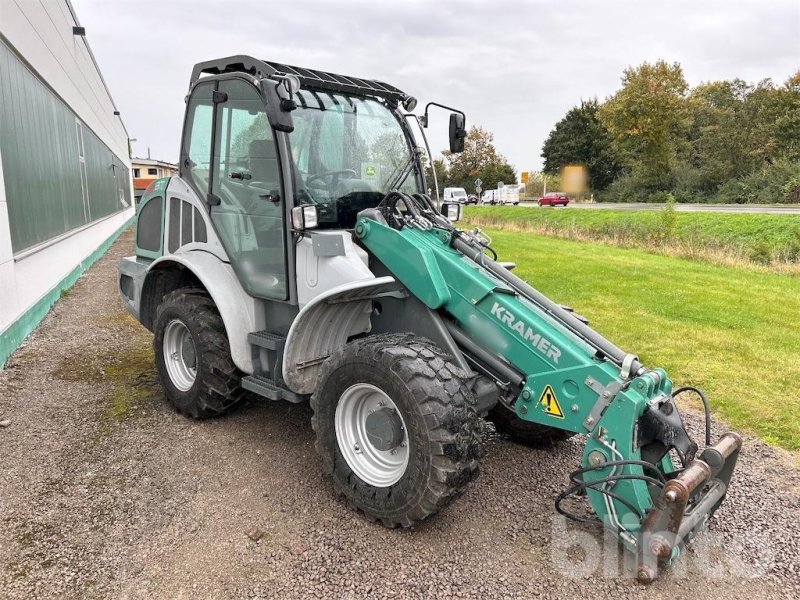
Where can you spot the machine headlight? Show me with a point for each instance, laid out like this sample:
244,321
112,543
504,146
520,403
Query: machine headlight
305,217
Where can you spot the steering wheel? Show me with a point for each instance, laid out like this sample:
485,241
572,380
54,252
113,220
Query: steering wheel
333,175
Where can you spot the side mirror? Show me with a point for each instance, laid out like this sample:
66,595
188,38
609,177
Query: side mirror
452,210
305,217
278,97
458,132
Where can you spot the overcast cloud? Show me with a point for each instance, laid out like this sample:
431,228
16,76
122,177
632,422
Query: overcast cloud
515,68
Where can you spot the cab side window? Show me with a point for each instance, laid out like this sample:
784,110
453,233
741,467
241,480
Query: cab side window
248,208
198,134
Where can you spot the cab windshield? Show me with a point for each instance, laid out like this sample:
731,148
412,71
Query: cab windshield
348,152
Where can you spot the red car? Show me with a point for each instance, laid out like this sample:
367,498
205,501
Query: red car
554,199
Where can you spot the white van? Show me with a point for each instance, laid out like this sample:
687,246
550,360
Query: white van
455,195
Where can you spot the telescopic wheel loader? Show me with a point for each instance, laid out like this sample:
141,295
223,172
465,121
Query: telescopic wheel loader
297,257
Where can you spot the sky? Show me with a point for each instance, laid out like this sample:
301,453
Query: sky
514,68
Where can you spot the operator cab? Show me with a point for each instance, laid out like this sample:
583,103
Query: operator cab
262,138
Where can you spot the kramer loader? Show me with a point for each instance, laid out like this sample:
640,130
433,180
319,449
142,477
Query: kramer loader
297,257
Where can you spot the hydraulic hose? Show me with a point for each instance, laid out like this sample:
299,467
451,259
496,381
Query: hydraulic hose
706,408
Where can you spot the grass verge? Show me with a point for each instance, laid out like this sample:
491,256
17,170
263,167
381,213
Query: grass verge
733,332
770,241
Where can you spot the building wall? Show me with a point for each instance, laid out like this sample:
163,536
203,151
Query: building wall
162,170
65,184
41,32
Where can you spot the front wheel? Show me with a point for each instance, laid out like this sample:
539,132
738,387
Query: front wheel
193,358
396,427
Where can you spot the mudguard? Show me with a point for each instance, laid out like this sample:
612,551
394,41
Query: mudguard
235,306
324,325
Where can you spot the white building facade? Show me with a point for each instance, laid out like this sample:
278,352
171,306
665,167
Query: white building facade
65,185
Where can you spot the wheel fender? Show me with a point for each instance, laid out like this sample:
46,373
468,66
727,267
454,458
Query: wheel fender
323,326
235,306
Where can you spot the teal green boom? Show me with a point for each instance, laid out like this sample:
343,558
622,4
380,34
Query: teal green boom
567,383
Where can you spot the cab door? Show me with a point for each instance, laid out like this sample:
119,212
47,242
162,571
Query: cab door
246,193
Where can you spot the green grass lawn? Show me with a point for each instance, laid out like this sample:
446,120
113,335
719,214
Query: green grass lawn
733,332
759,237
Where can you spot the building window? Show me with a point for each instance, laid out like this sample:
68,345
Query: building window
87,211
152,171
136,172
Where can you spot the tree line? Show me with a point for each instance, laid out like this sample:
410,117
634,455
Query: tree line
656,138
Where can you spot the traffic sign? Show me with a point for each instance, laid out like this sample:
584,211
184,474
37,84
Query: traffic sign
523,177
500,185
478,182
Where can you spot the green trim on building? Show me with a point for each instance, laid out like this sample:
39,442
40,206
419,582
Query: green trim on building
13,335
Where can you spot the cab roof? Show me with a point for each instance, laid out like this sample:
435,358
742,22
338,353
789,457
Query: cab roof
309,78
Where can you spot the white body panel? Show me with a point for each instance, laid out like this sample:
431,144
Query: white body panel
241,313
178,188
318,274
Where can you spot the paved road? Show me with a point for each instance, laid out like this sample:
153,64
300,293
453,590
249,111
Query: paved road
106,492
777,209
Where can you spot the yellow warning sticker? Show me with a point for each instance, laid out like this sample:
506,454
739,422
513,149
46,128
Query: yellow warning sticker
550,403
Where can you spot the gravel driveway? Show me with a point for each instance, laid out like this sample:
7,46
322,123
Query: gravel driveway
105,491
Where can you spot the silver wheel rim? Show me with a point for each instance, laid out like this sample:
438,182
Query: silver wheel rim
180,355
379,468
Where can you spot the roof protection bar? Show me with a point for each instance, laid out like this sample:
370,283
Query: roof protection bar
309,78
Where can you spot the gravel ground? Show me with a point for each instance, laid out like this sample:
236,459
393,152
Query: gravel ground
106,492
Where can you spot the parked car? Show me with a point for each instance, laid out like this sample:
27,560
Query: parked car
472,199
454,194
554,199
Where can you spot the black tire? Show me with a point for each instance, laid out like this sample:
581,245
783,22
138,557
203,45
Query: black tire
432,396
217,386
525,432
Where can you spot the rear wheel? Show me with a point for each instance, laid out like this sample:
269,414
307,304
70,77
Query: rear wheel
525,432
193,358
396,428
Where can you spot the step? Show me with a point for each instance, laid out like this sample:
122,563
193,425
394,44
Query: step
267,388
267,339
